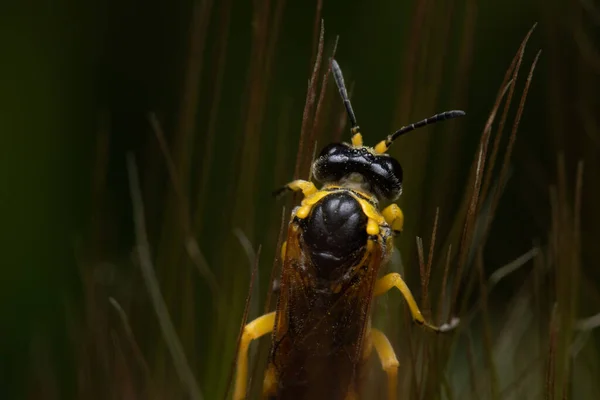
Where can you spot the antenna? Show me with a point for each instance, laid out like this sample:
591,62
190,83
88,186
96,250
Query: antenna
339,80
384,145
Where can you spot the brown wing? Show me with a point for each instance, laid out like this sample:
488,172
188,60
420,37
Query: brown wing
318,335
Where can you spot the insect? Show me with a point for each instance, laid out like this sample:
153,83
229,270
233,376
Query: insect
337,239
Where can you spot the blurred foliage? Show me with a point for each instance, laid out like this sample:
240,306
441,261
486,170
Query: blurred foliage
209,96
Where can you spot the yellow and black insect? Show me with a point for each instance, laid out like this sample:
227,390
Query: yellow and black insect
337,240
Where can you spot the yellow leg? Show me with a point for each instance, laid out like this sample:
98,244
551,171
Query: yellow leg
395,280
306,187
394,217
388,359
253,330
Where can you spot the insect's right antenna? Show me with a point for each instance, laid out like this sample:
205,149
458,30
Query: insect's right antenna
339,80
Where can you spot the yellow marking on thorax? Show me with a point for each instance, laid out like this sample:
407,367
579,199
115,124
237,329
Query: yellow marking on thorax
309,202
375,218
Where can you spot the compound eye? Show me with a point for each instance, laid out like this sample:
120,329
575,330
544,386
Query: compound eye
393,175
332,149
394,167
332,163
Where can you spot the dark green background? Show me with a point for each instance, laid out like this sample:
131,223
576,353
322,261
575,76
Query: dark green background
71,71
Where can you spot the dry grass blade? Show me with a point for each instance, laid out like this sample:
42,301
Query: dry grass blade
131,338
251,255
318,12
168,330
275,260
416,384
516,64
317,118
511,267
422,272
191,245
577,204
498,275
474,173
244,320
487,329
508,153
426,305
272,33
477,194
550,372
587,324
308,105
171,168
246,245
471,362
468,227
208,142
442,298
191,85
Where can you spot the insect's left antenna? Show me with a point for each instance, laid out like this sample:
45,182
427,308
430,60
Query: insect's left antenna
339,80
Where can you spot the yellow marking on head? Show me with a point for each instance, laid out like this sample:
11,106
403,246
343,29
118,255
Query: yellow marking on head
357,139
381,147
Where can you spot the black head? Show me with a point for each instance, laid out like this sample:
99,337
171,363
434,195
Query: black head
379,174
370,167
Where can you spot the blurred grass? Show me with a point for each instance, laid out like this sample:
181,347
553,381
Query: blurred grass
227,81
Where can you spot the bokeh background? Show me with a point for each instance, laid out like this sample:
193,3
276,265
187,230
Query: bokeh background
209,97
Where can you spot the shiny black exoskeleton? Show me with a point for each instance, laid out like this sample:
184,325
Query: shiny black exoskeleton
335,234
381,174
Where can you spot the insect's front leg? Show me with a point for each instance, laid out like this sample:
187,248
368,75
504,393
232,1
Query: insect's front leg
308,188
394,217
253,330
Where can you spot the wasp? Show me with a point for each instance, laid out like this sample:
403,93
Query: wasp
337,239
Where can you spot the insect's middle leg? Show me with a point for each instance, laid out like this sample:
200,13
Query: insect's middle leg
253,330
306,187
395,280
